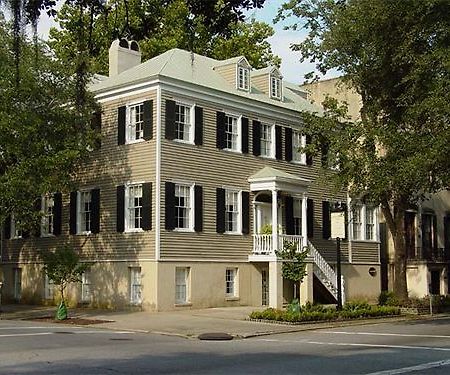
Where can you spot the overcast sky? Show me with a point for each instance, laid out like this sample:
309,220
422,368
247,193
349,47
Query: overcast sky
291,68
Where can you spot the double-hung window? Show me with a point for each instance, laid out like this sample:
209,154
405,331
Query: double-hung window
357,222
275,87
182,285
232,133
297,216
49,287
135,123
243,78
84,211
298,143
16,231
370,223
231,286
135,286
133,218
267,140
86,290
184,207
47,224
232,212
363,222
184,128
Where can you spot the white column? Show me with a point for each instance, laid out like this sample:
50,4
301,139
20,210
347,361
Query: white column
304,221
306,287
274,220
275,285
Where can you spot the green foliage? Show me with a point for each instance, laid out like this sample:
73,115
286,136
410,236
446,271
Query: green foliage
395,55
388,298
294,266
266,229
63,267
356,305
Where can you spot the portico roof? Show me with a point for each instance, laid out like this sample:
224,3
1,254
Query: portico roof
269,178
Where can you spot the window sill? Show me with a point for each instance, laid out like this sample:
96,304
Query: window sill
232,298
183,304
84,233
184,230
366,241
233,233
231,150
135,141
47,235
183,141
267,157
298,162
134,230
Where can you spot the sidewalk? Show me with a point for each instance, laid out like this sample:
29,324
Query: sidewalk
186,323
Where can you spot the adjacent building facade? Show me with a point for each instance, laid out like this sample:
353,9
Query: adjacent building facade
198,181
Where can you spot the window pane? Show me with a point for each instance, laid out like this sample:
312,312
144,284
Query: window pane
135,127
357,223
85,211
231,132
231,211
266,140
182,122
134,206
181,285
182,206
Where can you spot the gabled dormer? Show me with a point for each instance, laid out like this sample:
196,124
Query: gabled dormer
236,71
270,81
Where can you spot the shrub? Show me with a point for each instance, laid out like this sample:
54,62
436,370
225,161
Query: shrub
355,305
387,298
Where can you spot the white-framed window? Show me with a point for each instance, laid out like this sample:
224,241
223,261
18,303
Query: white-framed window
231,286
232,211
184,122
267,143
16,231
184,208
297,216
135,286
47,222
84,211
233,132
133,207
298,143
49,287
363,222
243,78
182,285
86,287
17,280
275,87
135,123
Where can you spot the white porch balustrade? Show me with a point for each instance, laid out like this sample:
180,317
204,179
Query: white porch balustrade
263,243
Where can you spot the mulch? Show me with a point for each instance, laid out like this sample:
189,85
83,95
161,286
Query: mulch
73,321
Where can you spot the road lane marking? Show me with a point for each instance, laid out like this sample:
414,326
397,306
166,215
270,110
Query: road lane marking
36,327
100,332
26,334
387,334
403,370
359,345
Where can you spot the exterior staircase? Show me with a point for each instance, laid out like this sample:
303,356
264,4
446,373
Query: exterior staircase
325,273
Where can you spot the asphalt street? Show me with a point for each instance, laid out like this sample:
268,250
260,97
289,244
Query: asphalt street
418,347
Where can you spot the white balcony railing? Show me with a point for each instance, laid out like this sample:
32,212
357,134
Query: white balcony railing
262,243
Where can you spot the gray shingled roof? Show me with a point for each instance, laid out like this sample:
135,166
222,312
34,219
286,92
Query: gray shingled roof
199,70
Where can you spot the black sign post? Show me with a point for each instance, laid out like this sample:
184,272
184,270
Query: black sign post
338,274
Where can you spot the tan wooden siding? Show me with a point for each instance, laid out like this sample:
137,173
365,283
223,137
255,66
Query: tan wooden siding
211,168
365,252
228,72
107,168
261,82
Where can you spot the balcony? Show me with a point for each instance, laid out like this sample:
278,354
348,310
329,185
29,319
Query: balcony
428,254
263,243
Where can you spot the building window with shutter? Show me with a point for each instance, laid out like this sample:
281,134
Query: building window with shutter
232,211
370,223
298,143
232,133
47,223
84,212
243,78
231,284
135,286
297,210
135,123
86,287
357,222
363,222
184,207
267,143
275,87
184,120
182,285
16,230
133,209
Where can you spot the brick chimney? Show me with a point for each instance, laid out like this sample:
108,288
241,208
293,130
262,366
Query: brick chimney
123,55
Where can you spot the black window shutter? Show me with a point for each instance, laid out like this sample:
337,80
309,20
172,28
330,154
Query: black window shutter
326,220
278,142
146,222
120,209
289,214
434,223
95,202
96,126
198,210
170,119
170,205
244,135
148,119
220,130
7,228
73,213
121,125
344,207
198,136
220,210
447,235
245,212
36,229
324,150
309,158
288,144
57,214
310,217
256,138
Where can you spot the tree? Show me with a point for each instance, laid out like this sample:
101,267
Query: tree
396,55
63,267
45,129
294,266
159,26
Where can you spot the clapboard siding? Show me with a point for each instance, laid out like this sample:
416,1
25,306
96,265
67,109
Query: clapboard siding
210,167
228,72
261,82
365,252
108,167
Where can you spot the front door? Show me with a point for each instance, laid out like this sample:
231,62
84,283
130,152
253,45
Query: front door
435,286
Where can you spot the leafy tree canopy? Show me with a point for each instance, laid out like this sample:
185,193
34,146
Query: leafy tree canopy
396,55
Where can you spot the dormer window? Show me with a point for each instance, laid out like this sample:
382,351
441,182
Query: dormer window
243,78
275,87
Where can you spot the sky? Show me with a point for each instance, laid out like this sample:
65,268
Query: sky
291,68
